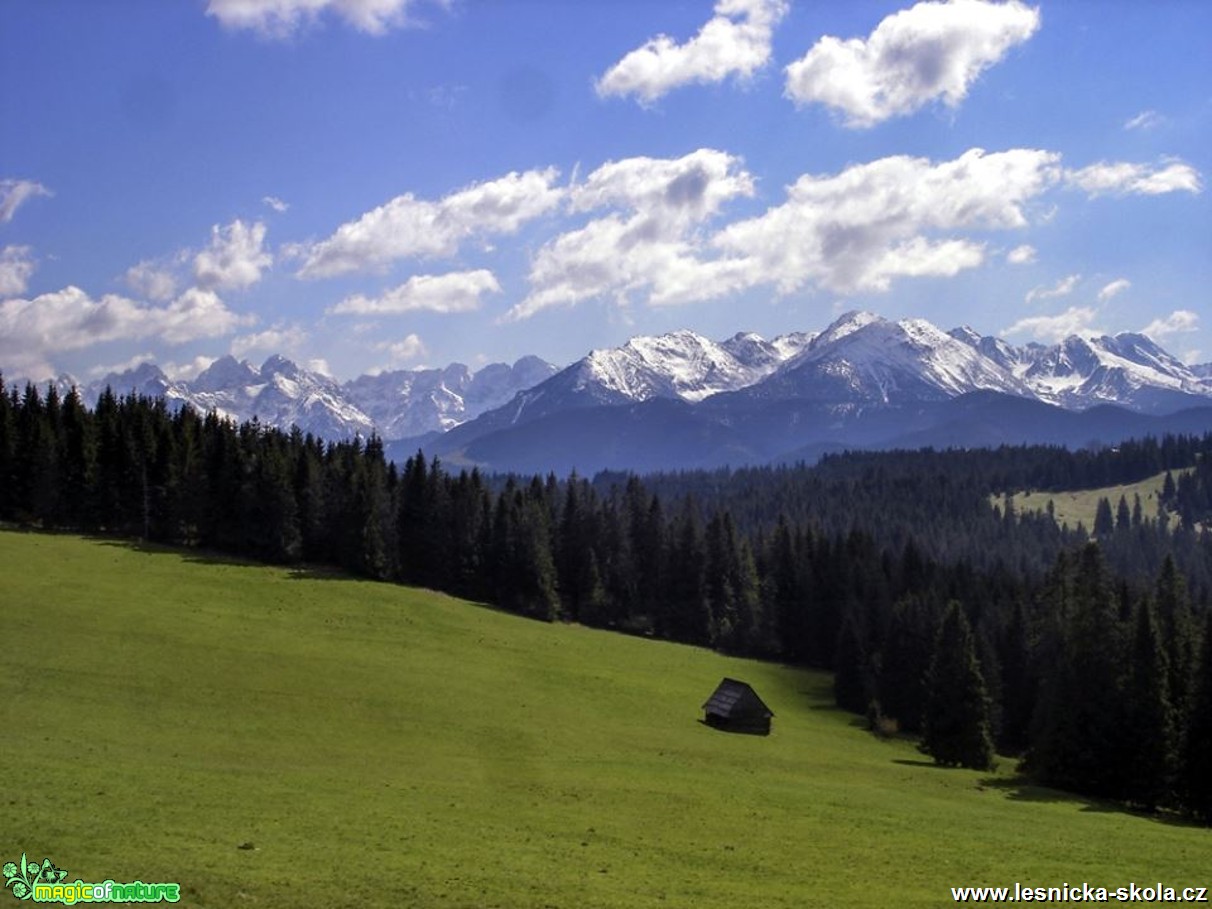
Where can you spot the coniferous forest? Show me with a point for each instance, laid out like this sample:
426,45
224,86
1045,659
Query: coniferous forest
1086,652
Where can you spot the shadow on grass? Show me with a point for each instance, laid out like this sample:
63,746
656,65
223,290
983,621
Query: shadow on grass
186,554
1022,789
730,731
319,573
300,572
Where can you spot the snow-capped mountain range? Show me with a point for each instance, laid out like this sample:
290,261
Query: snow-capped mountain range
280,393
801,388
864,359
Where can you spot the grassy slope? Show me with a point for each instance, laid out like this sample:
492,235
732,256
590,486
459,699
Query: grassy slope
1080,506
389,747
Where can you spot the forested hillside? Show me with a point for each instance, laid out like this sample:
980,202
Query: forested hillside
1085,648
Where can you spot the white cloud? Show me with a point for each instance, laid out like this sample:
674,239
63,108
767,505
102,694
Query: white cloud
1118,286
1122,178
69,319
13,193
282,18
679,190
126,365
404,351
154,280
1075,320
851,232
929,51
189,370
855,231
1145,120
646,238
736,41
319,365
1021,255
407,227
1061,288
1178,322
234,259
16,266
280,339
275,203
449,293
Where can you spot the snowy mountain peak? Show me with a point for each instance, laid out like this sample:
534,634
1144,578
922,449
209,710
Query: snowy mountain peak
278,365
145,380
863,357
681,364
226,372
847,324
966,334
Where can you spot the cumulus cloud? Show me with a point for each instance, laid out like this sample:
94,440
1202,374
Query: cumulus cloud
16,266
408,227
1061,288
126,365
69,319
674,190
1180,321
736,41
188,370
449,293
275,203
404,351
154,280
282,18
927,52
280,338
1075,320
234,259
1118,286
1021,255
850,232
1145,120
1122,178
320,365
651,208
857,230
14,193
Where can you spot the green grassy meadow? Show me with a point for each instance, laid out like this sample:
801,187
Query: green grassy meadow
1080,506
380,746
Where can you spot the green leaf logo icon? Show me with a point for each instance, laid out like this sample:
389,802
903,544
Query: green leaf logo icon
21,878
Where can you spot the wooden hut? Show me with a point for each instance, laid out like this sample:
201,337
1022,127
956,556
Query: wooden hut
735,707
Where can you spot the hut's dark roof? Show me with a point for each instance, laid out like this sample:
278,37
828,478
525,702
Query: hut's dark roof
733,698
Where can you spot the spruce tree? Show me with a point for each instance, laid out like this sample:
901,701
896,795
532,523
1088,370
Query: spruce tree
1197,759
8,452
1177,630
687,614
1123,516
853,686
1077,735
956,724
905,661
1018,684
792,620
413,520
1149,734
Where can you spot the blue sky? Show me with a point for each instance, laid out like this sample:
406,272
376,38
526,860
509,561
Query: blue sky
381,184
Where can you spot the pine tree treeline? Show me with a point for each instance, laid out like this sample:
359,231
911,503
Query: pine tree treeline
1092,660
